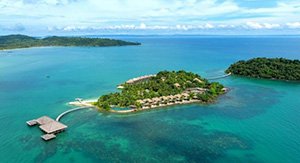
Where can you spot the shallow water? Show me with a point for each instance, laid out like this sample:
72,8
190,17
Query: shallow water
257,121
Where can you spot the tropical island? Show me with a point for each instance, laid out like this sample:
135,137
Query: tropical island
22,41
165,88
267,68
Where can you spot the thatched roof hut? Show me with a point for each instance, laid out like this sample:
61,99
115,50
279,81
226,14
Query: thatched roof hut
141,101
53,127
44,120
177,85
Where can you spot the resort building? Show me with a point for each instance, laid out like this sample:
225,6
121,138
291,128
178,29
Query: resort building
182,98
195,90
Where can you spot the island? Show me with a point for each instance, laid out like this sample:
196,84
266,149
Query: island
22,41
165,88
267,68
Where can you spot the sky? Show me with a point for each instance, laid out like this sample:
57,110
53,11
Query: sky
221,17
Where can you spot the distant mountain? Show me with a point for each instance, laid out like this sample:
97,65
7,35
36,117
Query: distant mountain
23,41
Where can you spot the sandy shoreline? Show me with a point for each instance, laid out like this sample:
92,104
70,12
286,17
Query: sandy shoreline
89,103
34,47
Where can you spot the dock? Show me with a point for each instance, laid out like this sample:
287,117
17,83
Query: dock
69,111
52,127
31,122
47,137
49,126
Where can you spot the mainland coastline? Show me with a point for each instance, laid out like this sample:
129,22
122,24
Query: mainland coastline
11,42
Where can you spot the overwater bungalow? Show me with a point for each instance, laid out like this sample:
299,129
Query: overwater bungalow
53,127
49,126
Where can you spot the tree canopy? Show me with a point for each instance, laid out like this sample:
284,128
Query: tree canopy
23,41
165,83
268,68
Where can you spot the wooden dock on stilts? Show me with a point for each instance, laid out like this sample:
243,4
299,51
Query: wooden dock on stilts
48,126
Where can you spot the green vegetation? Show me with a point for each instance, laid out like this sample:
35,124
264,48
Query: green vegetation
165,83
268,68
22,41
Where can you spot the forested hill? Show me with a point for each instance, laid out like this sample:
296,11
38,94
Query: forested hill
23,41
269,68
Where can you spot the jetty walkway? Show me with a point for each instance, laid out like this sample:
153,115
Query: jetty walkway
52,127
69,111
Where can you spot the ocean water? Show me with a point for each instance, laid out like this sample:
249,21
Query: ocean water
257,121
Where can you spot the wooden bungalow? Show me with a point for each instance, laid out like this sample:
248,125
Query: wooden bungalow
44,120
49,126
53,127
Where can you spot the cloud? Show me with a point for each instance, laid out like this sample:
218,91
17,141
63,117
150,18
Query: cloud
179,27
293,25
143,26
48,2
187,15
256,25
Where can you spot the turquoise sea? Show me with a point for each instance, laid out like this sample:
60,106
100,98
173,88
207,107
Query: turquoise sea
257,121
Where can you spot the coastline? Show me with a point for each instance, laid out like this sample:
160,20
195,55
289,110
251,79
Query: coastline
156,107
19,41
266,79
34,47
89,103
278,68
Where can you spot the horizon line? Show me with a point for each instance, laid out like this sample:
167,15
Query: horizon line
42,35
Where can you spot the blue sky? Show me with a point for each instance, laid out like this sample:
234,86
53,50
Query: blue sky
66,17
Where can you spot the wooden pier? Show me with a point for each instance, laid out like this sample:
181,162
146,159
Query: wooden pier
69,111
47,137
48,126
31,122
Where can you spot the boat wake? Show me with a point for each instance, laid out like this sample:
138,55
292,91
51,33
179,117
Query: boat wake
219,77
